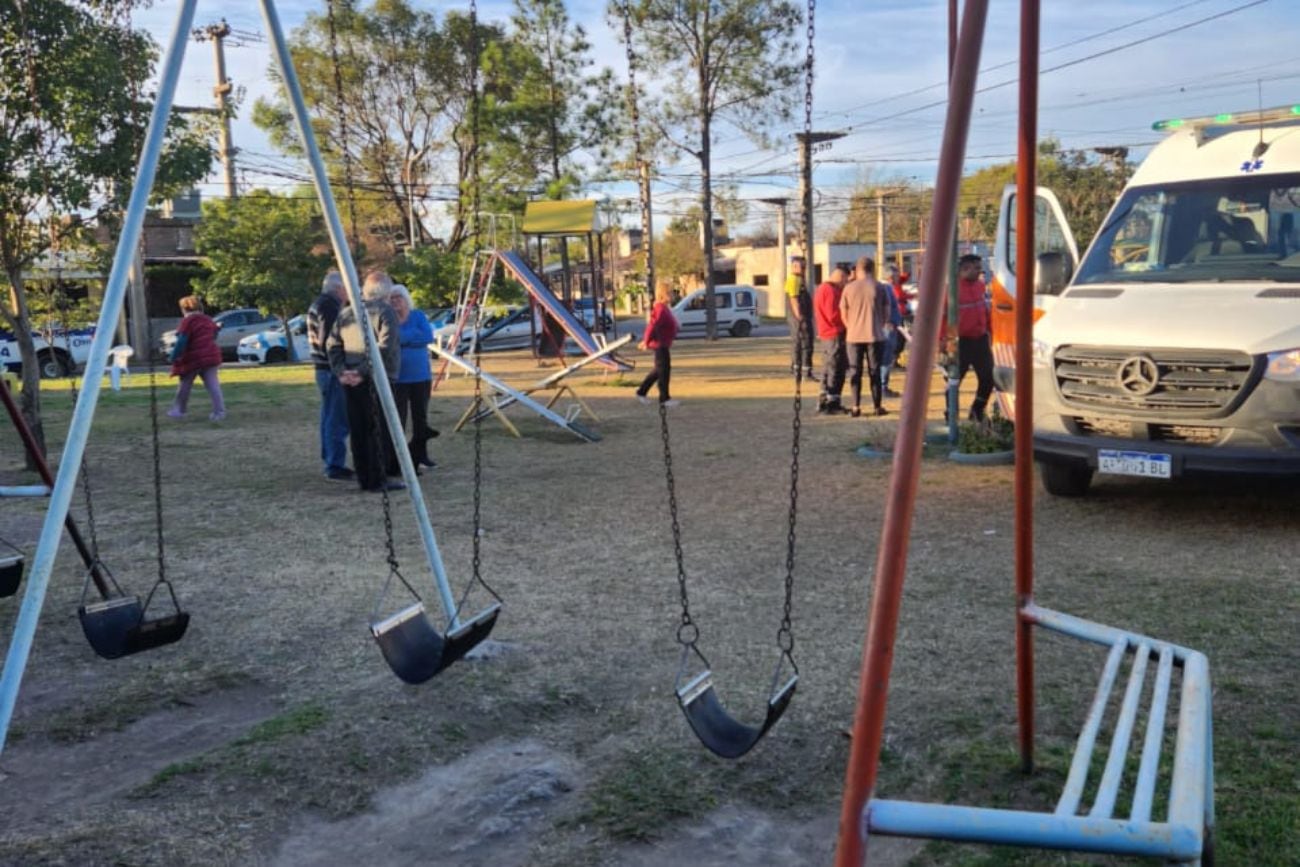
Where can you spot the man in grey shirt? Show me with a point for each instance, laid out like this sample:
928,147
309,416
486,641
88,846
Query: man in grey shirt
864,306
372,447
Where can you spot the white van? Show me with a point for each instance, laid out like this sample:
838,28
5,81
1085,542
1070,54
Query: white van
1173,346
736,306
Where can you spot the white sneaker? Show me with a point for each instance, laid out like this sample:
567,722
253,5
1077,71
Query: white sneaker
217,416
644,400
672,403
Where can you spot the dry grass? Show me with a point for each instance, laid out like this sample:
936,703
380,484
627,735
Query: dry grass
280,568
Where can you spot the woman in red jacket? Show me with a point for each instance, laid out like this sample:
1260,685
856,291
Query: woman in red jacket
196,353
659,335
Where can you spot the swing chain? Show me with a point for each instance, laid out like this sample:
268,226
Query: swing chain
785,634
85,483
687,632
157,460
477,560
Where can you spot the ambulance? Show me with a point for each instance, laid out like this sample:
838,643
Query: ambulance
1171,347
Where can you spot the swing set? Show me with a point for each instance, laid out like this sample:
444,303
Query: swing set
118,624
1185,835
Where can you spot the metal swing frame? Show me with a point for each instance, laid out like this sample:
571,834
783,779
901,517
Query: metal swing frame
1185,833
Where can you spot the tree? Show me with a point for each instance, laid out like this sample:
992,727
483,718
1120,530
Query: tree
264,251
561,108
72,121
906,202
1086,186
723,59
432,275
396,68
678,255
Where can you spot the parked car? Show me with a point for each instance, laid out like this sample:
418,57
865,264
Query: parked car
507,328
269,346
235,325
736,306
69,351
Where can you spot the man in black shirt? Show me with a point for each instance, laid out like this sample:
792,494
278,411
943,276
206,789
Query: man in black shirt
333,409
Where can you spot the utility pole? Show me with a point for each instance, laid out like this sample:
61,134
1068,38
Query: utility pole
809,142
218,33
880,232
779,204
647,230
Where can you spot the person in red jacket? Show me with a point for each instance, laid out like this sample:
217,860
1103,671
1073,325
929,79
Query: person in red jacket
659,335
974,322
830,331
196,354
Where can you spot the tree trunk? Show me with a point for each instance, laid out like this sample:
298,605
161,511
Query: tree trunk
29,402
706,194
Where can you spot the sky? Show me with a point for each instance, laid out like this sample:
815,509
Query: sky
880,68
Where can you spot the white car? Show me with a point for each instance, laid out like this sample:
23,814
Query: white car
70,350
269,347
736,306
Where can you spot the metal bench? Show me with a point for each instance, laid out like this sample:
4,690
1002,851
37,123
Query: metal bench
1185,836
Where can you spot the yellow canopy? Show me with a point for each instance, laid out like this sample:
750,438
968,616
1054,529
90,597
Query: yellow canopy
560,218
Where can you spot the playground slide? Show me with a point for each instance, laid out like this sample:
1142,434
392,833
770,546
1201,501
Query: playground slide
572,325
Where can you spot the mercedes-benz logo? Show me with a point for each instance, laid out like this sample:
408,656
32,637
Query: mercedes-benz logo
1138,375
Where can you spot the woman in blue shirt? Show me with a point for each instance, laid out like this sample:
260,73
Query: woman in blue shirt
415,377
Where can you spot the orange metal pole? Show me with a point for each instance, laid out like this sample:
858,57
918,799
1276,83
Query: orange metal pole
1026,262
891,560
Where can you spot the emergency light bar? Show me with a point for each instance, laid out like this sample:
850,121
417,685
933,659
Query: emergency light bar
1244,118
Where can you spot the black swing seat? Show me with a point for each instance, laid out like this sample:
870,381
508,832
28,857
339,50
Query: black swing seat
416,651
720,732
11,573
118,627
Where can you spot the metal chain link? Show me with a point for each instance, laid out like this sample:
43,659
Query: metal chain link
642,186
785,634
476,192
85,479
687,633
343,122
157,457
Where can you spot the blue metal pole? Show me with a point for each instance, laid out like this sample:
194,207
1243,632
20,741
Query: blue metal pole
348,268
74,449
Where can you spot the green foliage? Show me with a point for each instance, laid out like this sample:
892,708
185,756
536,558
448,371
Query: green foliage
907,202
262,250
432,275
1086,186
73,111
994,434
299,721
678,258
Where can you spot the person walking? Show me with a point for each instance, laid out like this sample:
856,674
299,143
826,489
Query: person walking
830,331
321,316
799,316
196,354
372,447
660,332
974,320
864,306
414,377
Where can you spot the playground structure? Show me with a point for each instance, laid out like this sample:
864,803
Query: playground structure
413,647
1186,834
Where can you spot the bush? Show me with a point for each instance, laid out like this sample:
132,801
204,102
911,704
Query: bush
993,434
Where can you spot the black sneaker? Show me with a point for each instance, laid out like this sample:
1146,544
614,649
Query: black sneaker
340,474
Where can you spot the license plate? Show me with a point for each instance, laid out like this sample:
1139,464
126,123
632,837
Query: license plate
1145,464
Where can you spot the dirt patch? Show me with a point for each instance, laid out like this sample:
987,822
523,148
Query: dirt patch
483,809
755,838
43,779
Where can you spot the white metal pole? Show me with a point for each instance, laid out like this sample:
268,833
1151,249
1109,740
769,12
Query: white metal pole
348,268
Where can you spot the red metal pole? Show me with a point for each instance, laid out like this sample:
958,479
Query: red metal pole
43,468
1026,262
891,559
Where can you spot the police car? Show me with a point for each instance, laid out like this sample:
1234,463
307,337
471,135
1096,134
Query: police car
268,347
70,351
